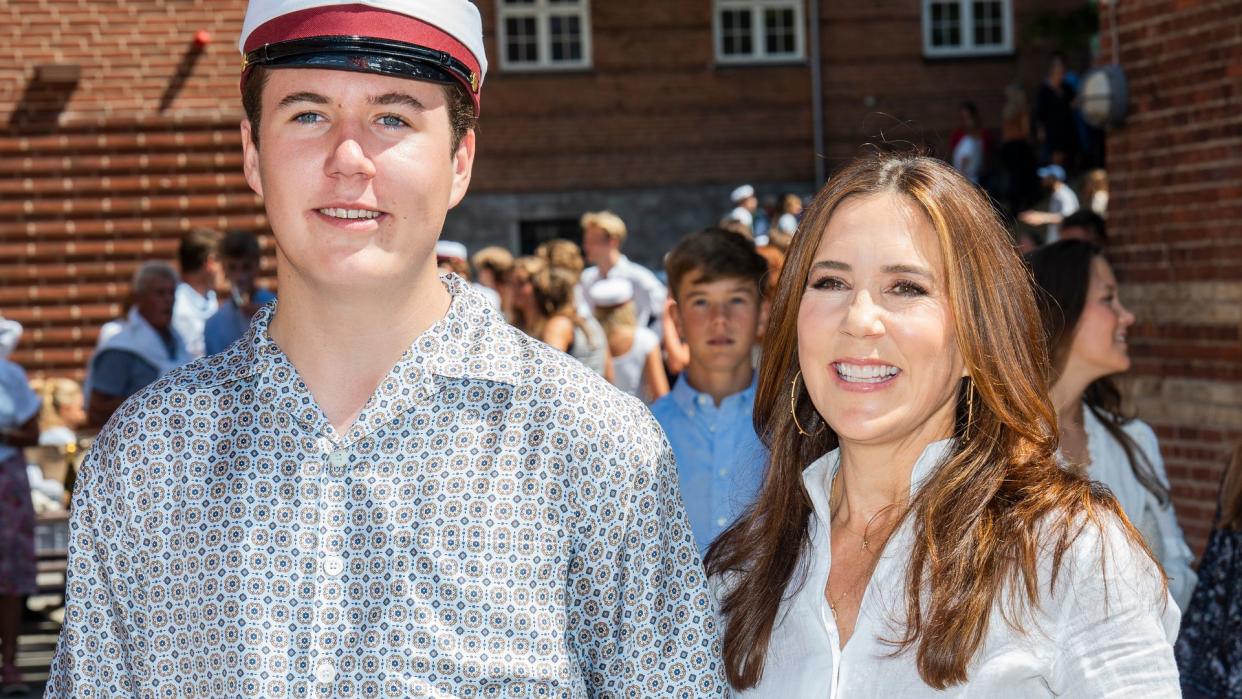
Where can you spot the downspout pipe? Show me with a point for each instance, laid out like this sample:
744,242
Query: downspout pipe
817,98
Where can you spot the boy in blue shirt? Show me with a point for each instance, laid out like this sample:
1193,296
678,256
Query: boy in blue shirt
716,279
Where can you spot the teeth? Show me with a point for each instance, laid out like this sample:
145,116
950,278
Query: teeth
350,213
870,373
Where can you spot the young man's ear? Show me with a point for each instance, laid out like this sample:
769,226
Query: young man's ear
250,159
674,312
463,165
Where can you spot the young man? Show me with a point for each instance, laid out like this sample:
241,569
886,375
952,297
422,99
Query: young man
383,489
201,271
240,255
716,278
603,235
1062,203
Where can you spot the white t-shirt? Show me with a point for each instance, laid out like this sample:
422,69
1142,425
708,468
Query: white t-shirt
190,313
1063,202
968,157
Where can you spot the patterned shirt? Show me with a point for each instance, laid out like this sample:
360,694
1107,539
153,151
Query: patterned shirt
498,522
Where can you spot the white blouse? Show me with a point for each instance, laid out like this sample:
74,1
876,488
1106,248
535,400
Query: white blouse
1091,637
1157,522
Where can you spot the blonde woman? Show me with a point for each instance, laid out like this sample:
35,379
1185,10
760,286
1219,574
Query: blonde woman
636,364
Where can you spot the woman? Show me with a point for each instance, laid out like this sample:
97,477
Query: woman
1209,648
63,413
544,301
914,535
1085,325
637,366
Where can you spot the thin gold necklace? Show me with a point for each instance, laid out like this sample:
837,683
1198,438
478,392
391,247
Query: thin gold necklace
834,500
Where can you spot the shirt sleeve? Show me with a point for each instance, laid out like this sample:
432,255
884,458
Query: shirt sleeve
18,403
641,621
94,655
1177,554
1116,623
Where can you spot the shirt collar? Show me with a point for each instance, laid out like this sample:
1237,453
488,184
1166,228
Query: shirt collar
454,347
688,399
817,476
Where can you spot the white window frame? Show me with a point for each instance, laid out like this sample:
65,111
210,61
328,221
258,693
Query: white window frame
542,11
759,55
967,47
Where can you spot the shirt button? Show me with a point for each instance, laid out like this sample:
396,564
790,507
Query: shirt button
703,400
723,472
721,521
711,428
333,565
325,671
338,459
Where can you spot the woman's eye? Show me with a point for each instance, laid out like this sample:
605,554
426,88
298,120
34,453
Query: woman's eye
905,288
828,284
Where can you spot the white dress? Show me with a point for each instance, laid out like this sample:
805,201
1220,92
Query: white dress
627,370
1158,523
1084,641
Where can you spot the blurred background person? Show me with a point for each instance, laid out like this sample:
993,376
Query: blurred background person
63,412
1085,224
1017,155
1209,647
201,275
565,254
603,235
745,204
788,214
492,265
19,428
1095,193
543,299
1086,326
968,143
10,334
717,282
637,364
451,256
1055,129
1062,202
240,257
146,347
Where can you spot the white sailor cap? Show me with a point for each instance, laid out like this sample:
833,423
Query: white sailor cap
611,292
438,41
451,249
10,333
742,193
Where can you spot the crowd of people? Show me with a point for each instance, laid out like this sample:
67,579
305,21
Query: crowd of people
872,448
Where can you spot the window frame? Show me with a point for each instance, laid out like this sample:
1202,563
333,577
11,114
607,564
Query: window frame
542,10
968,48
759,56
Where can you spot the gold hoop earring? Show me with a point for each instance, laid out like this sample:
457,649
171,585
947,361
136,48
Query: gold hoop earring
793,404
970,410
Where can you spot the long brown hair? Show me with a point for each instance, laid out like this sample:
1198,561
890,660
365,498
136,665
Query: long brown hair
981,521
1062,273
1231,493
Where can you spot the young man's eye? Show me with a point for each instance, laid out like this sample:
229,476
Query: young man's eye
307,118
907,288
392,121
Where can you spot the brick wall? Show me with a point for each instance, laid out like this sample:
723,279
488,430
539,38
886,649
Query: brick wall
1175,172
108,169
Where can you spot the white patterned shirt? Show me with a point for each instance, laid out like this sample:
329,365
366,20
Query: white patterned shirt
498,522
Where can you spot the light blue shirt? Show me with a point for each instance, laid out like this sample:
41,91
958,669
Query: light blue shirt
720,460
228,323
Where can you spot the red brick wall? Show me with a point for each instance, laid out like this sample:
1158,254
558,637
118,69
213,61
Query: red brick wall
144,146
1175,172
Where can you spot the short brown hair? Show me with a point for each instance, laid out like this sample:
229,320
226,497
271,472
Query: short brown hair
240,245
562,254
197,246
714,253
460,107
495,259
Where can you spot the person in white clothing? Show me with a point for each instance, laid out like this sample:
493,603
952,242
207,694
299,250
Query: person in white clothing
603,235
1062,202
914,535
637,367
201,274
745,203
1086,325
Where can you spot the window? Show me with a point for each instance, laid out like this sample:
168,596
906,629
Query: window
967,27
544,34
533,232
758,31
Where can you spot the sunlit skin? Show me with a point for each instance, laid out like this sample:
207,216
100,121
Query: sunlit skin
1098,349
719,321
355,290
599,248
155,303
875,301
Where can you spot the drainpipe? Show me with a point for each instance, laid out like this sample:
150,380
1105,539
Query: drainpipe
817,98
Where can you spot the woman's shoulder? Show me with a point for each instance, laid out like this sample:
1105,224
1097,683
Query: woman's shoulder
1141,432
